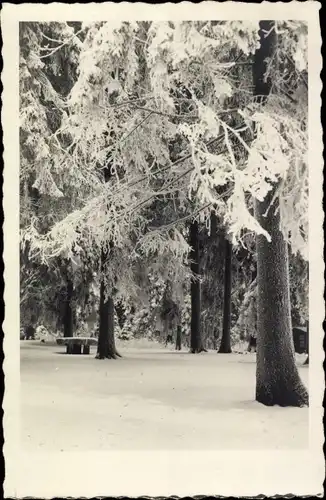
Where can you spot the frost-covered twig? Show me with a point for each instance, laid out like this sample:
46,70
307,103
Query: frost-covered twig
55,49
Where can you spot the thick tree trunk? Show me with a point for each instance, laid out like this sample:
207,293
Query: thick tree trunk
195,333
225,346
178,338
106,342
68,315
277,377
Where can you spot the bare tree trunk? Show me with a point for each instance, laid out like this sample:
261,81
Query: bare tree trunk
307,360
106,342
225,346
277,378
195,334
121,313
178,338
68,315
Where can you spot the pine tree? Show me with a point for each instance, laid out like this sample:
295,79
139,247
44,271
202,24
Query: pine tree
277,380
212,285
41,110
182,124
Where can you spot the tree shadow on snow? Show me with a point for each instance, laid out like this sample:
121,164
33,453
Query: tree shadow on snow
91,354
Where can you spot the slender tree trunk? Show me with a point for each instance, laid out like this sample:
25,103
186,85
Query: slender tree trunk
68,315
254,273
106,342
120,310
225,346
277,378
195,334
307,360
178,338
214,226
215,244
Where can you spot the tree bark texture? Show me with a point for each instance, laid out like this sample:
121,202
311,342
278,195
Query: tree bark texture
225,346
106,341
195,333
68,315
178,338
106,348
307,359
277,378
121,313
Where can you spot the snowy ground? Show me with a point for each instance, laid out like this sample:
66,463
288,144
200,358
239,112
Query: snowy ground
152,398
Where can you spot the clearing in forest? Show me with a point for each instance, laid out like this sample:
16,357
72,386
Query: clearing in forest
151,399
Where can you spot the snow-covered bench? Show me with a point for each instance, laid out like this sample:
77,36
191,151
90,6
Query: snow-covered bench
75,345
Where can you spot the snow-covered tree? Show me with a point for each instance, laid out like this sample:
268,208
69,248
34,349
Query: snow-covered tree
277,379
171,109
43,183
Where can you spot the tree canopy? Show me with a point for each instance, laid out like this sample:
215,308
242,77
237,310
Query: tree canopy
186,86
169,109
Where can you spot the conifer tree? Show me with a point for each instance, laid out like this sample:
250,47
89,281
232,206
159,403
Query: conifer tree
278,380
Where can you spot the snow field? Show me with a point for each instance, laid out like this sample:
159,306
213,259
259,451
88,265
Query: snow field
153,398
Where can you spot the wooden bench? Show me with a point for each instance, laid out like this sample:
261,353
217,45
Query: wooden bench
77,345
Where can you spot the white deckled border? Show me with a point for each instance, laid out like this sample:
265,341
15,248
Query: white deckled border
235,473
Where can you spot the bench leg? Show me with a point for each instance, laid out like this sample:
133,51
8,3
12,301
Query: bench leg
86,349
76,349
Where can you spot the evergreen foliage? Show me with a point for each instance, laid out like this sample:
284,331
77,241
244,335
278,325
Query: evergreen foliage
132,132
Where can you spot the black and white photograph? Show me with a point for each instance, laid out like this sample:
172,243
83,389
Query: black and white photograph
164,228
